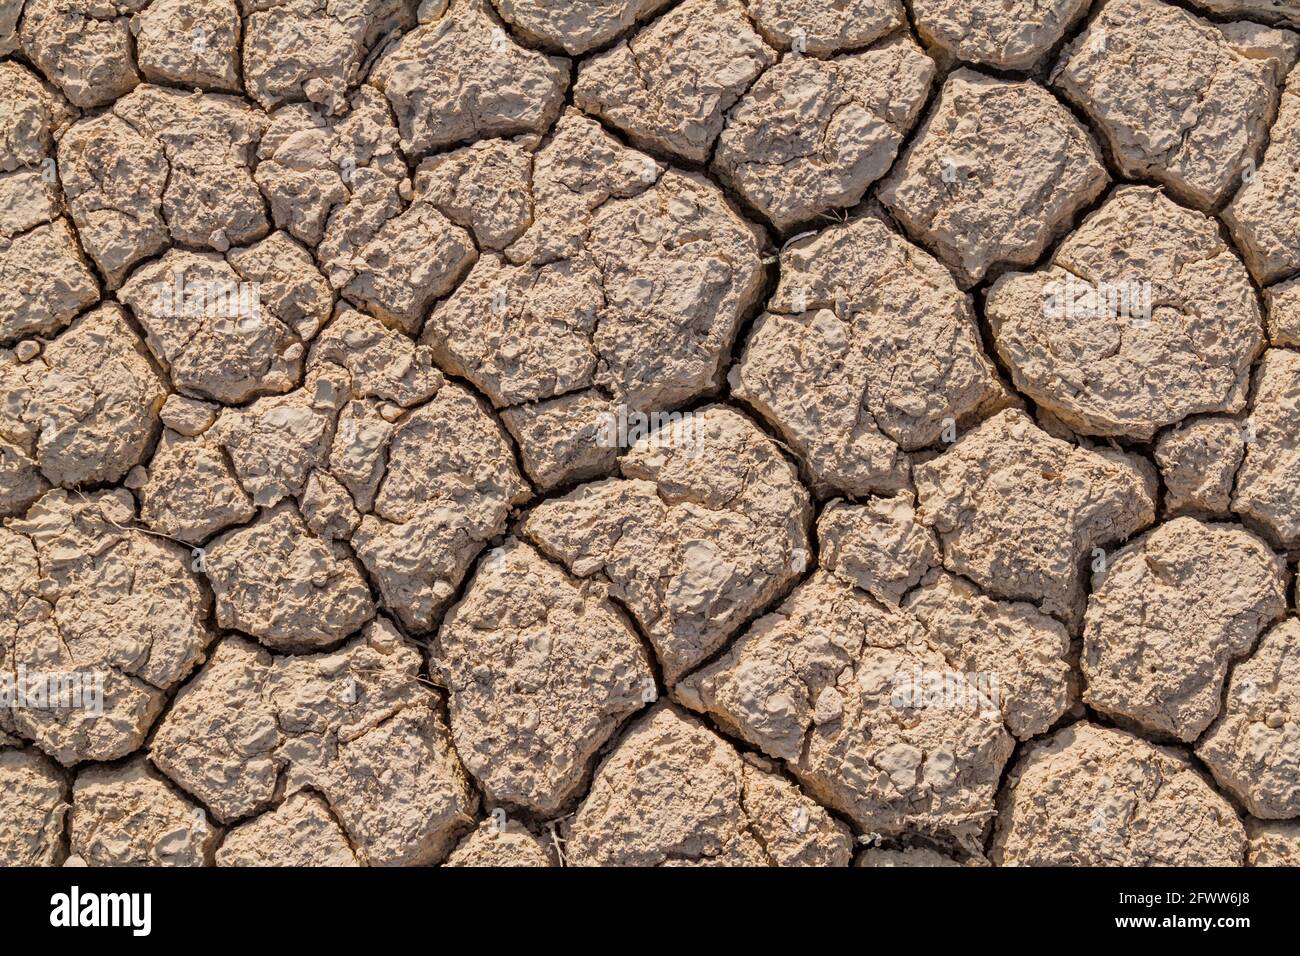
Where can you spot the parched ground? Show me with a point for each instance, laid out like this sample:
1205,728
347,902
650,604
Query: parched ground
649,433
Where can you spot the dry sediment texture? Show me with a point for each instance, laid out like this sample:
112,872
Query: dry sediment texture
655,432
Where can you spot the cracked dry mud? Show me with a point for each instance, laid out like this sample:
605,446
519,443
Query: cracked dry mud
649,433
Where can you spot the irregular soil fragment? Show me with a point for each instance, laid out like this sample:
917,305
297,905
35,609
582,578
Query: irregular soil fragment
673,793
354,725
1092,796
995,33
299,832
1264,216
494,845
540,669
1167,617
812,135
1198,463
578,25
707,526
131,816
115,611
1253,749
1193,129
868,351
670,85
994,174
459,76
1268,484
1144,317
1019,512
33,809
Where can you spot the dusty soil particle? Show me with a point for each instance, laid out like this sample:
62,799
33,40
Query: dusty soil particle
1145,316
1167,617
131,816
1020,513
673,793
852,301
670,85
707,525
1253,749
33,809
1093,796
301,831
994,174
1195,130
540,669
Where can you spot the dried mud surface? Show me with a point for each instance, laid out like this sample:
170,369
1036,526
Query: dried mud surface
649,433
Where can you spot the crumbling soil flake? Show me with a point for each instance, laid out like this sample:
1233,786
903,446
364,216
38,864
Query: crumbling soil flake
1198,463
